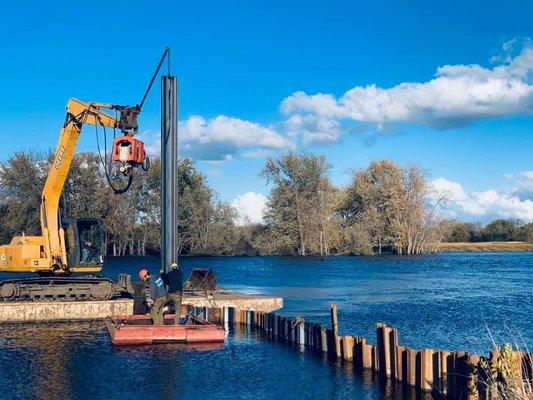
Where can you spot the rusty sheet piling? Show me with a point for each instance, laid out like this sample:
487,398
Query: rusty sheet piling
453,374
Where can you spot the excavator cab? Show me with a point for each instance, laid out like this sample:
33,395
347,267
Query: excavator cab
84,243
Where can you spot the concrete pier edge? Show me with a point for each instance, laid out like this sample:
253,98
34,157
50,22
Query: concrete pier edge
41,311
37,311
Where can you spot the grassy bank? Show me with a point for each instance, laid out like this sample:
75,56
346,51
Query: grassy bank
485,246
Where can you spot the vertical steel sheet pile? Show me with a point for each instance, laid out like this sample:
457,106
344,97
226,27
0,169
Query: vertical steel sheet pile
169,170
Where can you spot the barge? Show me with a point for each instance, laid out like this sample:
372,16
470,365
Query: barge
139,330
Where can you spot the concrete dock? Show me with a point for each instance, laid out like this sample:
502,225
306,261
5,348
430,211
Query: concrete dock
33,311
227,298
37,311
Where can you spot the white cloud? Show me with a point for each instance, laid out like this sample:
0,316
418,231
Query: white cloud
257,153
489,203
222,136
152,142
458,95
523,186
451,190
528,175
250,206
313,129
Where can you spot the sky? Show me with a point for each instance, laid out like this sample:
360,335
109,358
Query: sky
447,86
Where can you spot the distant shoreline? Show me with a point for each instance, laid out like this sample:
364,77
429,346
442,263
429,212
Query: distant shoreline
478,247
448,247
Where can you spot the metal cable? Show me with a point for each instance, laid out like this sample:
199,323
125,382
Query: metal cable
104,162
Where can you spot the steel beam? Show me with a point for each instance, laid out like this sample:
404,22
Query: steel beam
169,171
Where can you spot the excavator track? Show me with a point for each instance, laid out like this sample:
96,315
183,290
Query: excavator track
59,288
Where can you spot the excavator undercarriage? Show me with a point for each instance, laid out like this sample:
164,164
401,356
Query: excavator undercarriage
65,288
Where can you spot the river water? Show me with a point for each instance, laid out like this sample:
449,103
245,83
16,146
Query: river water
446,301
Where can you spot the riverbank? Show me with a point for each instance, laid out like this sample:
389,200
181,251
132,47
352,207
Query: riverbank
447,247
485,247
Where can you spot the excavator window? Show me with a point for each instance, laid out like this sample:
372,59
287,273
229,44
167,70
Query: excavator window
90,240
84,241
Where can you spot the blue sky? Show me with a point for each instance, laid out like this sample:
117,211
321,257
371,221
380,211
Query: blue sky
241,63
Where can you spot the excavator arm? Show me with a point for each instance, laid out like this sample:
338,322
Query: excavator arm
48,253
78,114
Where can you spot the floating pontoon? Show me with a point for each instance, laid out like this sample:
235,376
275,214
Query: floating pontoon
139,330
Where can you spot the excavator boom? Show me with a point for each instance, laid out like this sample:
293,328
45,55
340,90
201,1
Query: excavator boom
78,114
71,245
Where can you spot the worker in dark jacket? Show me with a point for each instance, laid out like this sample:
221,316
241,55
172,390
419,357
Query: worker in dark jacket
174,281
158,292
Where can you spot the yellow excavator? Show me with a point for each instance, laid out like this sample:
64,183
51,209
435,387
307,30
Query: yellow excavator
75,245
72,245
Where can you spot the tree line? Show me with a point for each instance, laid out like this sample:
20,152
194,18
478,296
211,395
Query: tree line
131,220
383,208
499,230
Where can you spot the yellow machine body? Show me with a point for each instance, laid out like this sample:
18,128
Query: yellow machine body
48,253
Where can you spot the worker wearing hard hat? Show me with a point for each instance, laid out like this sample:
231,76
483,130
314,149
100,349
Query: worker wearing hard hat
158,292
174,281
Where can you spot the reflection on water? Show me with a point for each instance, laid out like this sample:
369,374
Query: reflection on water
437,301
43,351
76,361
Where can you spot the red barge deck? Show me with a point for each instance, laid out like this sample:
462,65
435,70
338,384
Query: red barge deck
138,330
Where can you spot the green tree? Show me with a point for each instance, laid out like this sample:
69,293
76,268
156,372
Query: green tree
386,202
301,206
195,208
21,181
224,235
372,202
458,232
502,230
526,233
85,193
463,232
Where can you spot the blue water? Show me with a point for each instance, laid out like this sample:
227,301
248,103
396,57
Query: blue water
448,301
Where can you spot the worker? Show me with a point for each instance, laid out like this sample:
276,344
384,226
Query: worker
158,293
174,281
87,250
